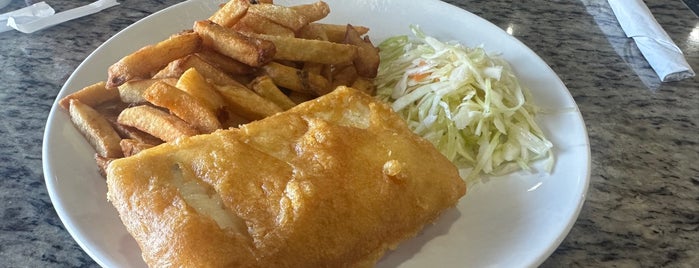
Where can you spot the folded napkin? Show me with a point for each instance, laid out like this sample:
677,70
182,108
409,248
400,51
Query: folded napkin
30,13
656,46
40,16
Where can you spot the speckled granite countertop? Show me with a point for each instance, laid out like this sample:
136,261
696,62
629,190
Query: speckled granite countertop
642,208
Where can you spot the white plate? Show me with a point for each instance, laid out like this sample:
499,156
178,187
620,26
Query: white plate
514,221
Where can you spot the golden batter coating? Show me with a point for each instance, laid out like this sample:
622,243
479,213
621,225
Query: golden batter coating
333,182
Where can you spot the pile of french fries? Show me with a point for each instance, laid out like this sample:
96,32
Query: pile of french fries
249,60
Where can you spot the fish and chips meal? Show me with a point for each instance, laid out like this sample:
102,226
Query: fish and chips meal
254,139
262,137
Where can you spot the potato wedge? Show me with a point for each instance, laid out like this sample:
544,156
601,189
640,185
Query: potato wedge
248,104
95,128
248,50
196,85
91,95
146,61
183,105
309,50
296,79
265,87
156,122
230,13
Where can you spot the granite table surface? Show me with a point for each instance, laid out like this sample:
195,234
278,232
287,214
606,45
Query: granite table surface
642,206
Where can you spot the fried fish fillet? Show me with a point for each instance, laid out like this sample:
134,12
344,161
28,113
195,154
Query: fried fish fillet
333,182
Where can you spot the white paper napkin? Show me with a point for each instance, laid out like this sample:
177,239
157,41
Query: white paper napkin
30,13
38,16
656,46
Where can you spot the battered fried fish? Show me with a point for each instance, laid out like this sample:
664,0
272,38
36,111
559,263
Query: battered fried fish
333,182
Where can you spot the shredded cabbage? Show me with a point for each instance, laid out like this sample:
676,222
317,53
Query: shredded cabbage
467,103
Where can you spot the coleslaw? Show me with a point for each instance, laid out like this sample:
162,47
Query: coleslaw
469,104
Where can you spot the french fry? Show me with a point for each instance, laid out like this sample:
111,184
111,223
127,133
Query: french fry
230,13
313,12
131,147
364,84
367,60
296,79
225,63
213,74
102,163
143,63
156,122
251,59
248,50
176,68
196,85
313,31
281,15
298,97
110,110
91,95
173,70
132,91
128,132
314,68
265,87
255,23
293,64
95,128
230,119
246,103
344,75
309,50
183,105
336,32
